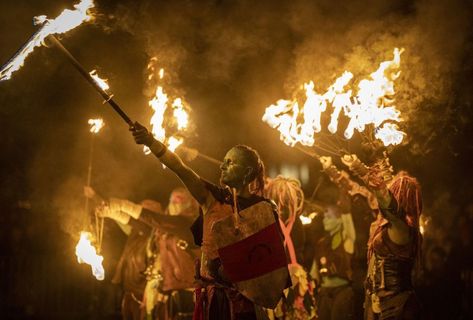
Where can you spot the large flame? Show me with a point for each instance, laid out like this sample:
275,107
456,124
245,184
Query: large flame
67,20
102,83
372,105
96,125
160,104
86,252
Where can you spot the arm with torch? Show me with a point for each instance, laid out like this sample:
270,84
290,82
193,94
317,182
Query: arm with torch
130,271
230,215
394,245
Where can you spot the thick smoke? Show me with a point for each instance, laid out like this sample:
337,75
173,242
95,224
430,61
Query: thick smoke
212,40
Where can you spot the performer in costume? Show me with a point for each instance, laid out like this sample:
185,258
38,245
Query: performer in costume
394,246
170,270
299,302
132,263
225,290
334,252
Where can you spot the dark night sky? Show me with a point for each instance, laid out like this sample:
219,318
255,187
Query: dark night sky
229,60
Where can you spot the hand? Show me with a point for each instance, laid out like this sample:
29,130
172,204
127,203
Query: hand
89,192
141,134
326,162
104,211
152,205
355,165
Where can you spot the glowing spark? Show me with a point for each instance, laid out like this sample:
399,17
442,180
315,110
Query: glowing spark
102,83
372,105
67,20
96,125
161,73
86,252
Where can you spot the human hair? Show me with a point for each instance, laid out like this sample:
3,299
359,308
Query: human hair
287,193
407,192
253,160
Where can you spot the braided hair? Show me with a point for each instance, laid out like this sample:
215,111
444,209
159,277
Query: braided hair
287,193
407,192
253,160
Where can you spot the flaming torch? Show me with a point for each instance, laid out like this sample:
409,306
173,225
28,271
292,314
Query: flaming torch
67,20
95,126
371,106
170,120
86,253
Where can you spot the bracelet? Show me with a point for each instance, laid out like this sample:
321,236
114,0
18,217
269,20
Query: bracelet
162,152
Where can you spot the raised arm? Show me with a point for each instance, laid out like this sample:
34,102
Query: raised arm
375,179
191,180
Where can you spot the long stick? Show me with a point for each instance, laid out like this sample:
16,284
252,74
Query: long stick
308,151
88,77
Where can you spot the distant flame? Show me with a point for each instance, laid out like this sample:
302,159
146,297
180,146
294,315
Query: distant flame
86,252
180,117
96,125
372,105
307,219
67,20
102,83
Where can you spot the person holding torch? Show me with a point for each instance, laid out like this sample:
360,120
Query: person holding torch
243,261
394,246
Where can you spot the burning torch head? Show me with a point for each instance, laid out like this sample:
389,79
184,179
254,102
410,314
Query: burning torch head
241,167
181,202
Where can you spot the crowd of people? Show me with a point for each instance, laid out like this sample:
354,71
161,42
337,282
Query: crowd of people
255,247
240,250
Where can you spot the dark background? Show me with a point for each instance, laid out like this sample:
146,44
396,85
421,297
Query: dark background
229,60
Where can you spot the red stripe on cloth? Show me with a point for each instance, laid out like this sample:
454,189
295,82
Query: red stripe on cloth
259,254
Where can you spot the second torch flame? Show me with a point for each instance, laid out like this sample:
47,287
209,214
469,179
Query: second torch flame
86,253
371,106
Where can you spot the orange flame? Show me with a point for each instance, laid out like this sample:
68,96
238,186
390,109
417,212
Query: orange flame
370,106
86,252
67,20
102,83
96,125
160,103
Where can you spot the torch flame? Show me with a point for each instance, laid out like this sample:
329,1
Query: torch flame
67,20
96,125
86,252
160,103
102,83
372,105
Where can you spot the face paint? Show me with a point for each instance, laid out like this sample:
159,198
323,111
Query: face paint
332,224
233,172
